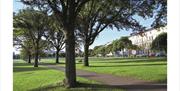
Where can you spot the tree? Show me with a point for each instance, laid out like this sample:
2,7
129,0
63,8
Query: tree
113,14
156,9
91,52
134,47
121,44
34,23
102,51
66,13
96,50
95,20
161,14
109,48
24,55
55,36
22,40
26,48
117,45
126,42
160,42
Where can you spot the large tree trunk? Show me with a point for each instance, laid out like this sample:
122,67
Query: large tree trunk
86,54
70,80
57,55
29,58
36,59
36,55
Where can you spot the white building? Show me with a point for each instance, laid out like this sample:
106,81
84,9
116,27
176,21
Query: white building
144,39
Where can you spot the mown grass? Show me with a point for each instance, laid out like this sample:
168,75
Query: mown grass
150,69
28,78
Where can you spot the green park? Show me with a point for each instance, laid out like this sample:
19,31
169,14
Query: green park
90,45
44,78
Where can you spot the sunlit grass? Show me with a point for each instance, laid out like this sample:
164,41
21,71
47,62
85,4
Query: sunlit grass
150,69
28,78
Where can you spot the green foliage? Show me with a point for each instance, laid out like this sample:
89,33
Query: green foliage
62,54
134,47
116,45
160,42
24,54
121,43
91,53
29,27
126,42
54,34
99,50
102,50
109,48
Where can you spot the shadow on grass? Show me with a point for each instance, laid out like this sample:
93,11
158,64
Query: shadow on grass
126,87
114,58
44,63
23,67
22,64
51,63
102,87
162,81
132,61
126,65
47,88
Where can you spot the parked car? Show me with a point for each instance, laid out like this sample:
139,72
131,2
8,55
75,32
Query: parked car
152,54
142,55
160,54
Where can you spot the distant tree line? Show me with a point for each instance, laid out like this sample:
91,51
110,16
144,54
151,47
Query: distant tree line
116,45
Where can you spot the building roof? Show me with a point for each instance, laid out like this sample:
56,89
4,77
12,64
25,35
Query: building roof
140,32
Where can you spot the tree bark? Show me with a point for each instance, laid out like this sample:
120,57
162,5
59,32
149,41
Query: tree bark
70,80
86,54
29,58
36,59
36,55
57,56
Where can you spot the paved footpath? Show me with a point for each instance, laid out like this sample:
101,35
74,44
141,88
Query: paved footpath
126,83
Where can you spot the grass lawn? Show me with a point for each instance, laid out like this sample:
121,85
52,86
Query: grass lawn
151,69
28,78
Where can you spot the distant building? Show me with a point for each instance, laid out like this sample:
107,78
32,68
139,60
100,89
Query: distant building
144,39
109,54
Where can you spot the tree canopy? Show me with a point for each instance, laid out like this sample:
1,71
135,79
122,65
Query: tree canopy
121,43
160,42
32,24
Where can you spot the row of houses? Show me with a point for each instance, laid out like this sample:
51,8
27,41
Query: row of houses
143,40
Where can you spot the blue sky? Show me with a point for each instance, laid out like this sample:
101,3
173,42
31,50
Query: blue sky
107,35
17,5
